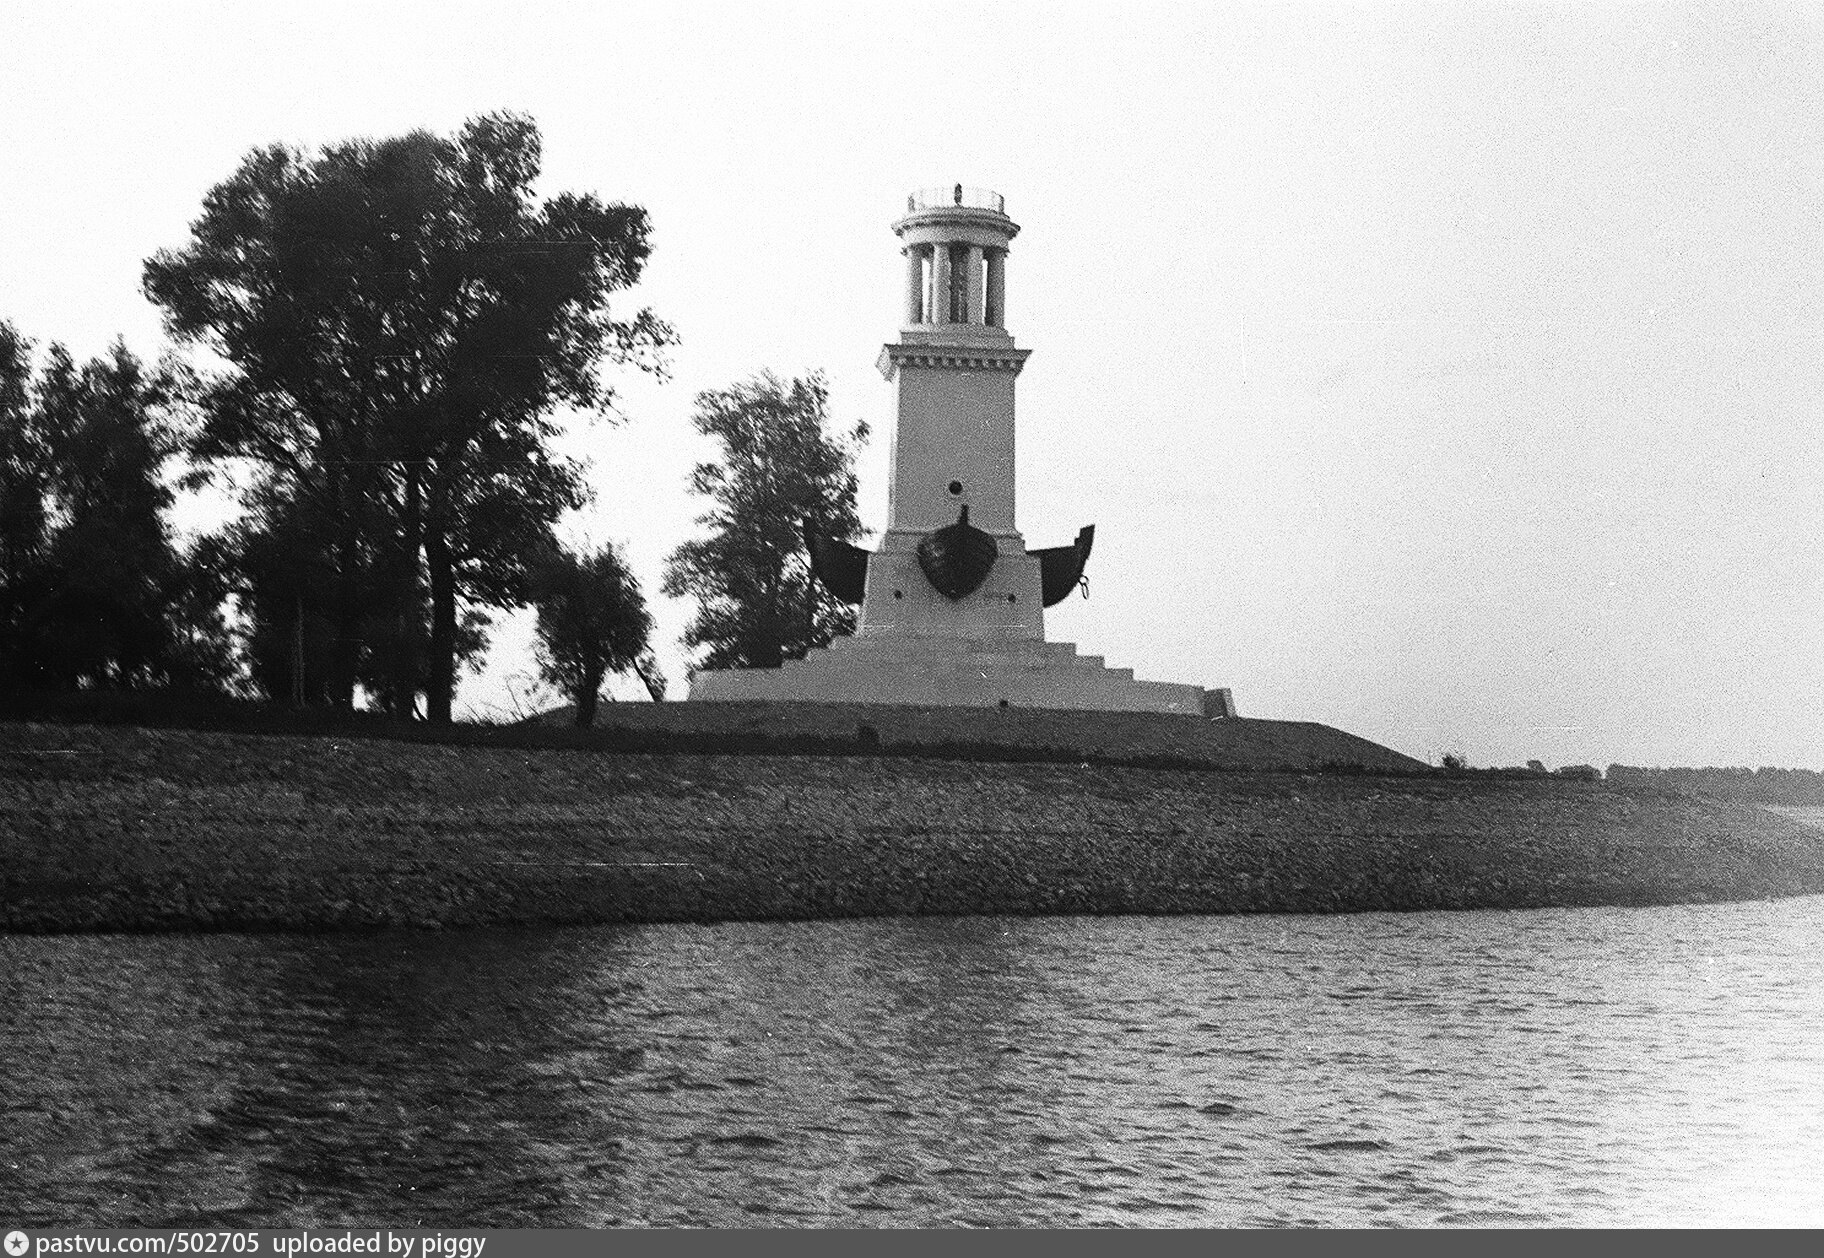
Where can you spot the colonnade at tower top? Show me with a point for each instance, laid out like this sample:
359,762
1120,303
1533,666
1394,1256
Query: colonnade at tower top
956,284
956,258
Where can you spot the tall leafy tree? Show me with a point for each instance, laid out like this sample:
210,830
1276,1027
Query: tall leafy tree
94,590
105,426
402,319
592,622
758,603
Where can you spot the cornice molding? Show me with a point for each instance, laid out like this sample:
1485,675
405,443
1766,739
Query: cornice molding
951,358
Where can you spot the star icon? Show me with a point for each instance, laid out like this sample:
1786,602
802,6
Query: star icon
17,1244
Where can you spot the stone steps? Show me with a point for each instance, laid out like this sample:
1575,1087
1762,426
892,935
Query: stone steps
961,664
948,671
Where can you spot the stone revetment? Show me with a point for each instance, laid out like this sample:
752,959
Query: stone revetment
952,601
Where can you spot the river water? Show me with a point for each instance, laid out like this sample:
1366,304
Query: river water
1607,1066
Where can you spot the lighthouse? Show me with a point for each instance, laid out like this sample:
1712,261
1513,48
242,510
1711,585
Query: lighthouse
952,601
954,367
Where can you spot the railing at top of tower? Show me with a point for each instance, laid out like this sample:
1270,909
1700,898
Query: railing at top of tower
956,194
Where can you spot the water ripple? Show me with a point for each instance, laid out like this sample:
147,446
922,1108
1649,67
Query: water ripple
1603,1066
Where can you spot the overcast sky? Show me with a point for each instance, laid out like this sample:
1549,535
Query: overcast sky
1450,374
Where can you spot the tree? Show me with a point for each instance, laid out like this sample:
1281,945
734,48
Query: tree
24,518
402,319
94,590
592,622
105,427
200,655
758,603
647,669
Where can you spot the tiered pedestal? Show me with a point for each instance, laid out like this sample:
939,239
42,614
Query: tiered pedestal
950,671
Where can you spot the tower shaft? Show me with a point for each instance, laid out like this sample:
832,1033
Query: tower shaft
955,365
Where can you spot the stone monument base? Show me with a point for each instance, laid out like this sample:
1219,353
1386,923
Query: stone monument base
958,672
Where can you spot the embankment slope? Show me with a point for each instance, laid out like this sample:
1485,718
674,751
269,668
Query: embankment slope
1234,743
114,828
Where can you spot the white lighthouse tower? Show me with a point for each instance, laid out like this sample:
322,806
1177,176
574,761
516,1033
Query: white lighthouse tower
952,603
955,365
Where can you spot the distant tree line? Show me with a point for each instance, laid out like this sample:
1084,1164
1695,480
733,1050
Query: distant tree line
391,328
1762,786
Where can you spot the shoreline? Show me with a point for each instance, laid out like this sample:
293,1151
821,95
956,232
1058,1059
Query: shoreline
111,828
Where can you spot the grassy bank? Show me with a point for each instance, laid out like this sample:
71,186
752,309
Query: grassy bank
118,828
1141,739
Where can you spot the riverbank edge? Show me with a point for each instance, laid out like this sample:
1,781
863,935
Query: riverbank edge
109,828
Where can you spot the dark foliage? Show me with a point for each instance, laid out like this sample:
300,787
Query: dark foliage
402,319
1765,785
94,591
780,470
592,622
25,487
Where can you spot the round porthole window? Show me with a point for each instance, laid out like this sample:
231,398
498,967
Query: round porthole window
956,487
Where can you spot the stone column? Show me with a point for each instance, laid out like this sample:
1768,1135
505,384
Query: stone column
940,283
997,288
915,284
972,296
